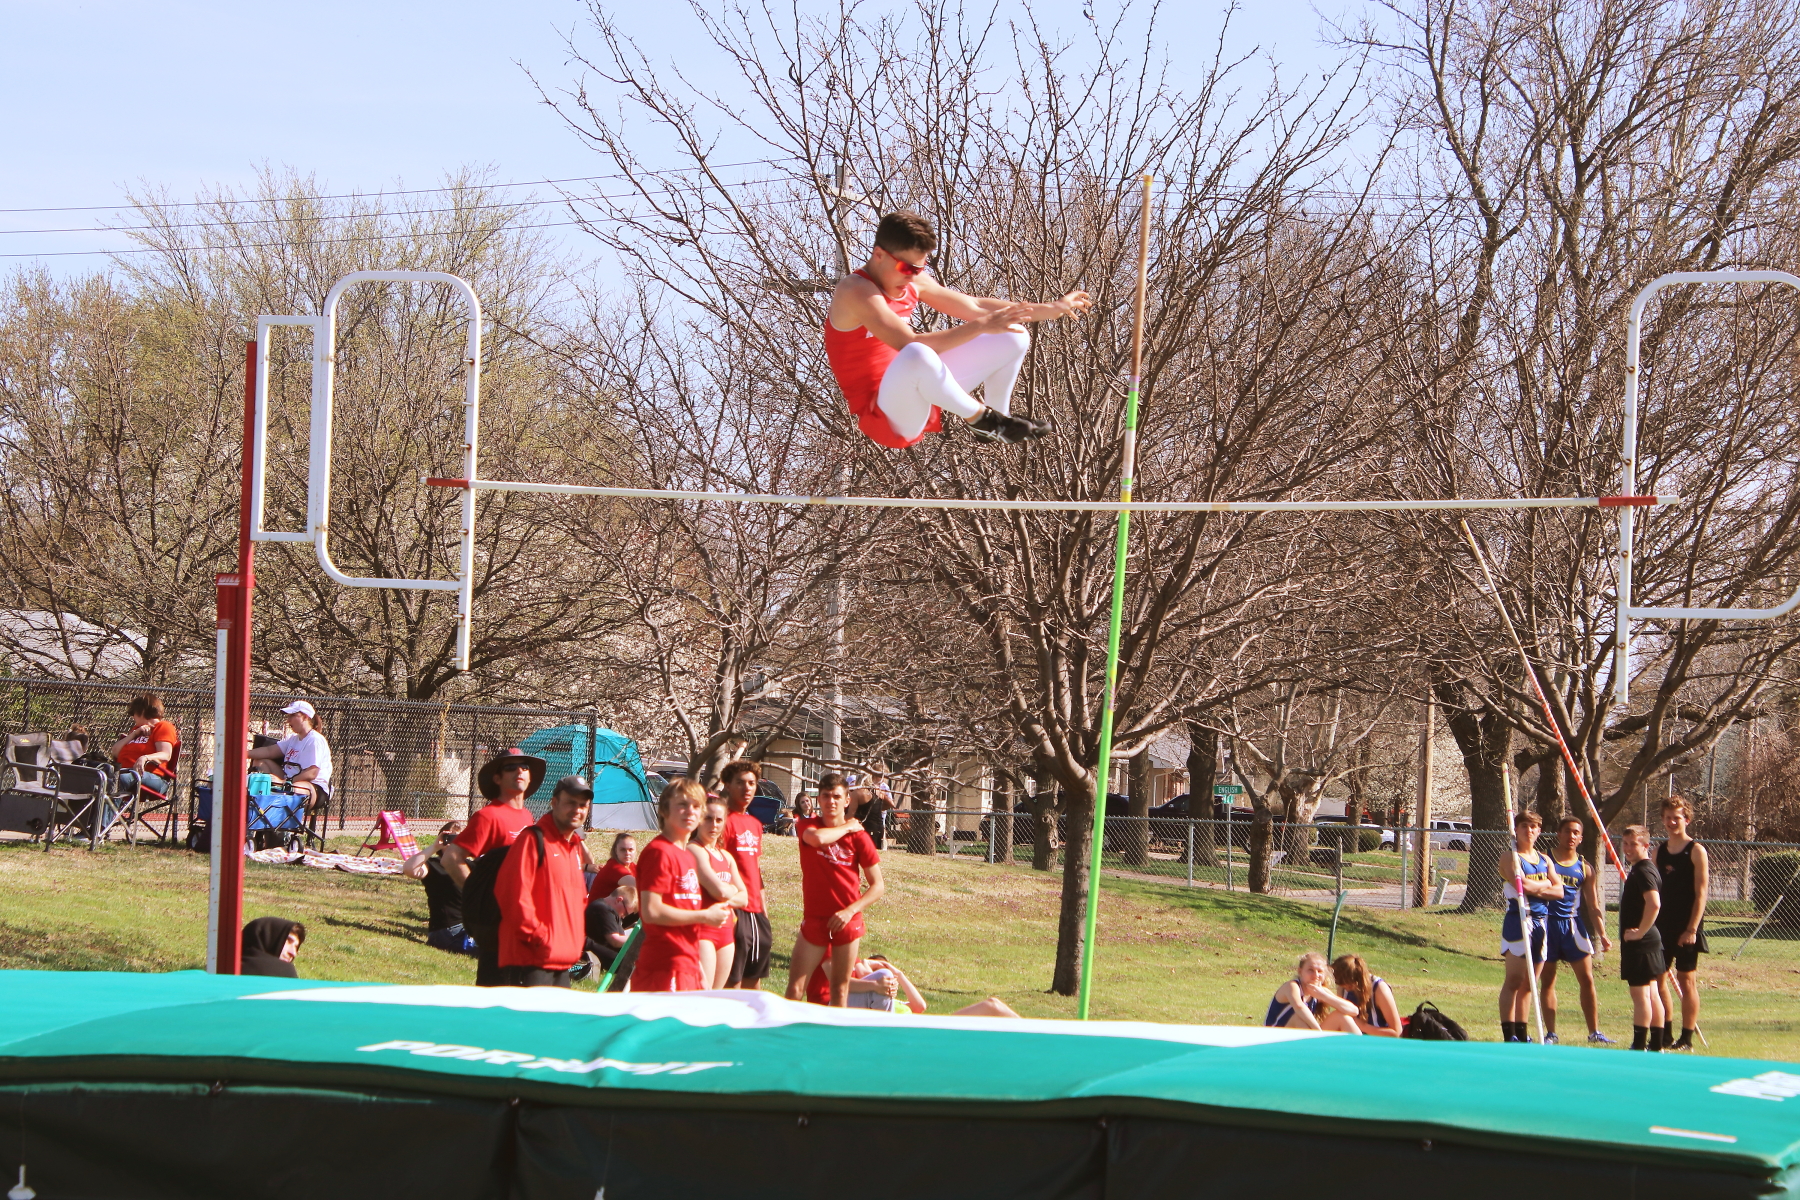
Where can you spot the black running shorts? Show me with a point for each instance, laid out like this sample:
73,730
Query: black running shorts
752,939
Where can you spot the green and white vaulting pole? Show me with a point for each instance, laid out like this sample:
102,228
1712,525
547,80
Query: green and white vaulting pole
1128,465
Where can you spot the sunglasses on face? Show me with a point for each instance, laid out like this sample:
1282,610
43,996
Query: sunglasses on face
910,270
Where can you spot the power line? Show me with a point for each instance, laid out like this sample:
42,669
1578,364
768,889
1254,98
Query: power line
757,162
405,212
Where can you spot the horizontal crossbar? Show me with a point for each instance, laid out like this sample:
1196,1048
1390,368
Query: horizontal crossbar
1164,506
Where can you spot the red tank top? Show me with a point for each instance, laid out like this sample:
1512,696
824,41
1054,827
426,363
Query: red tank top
859,359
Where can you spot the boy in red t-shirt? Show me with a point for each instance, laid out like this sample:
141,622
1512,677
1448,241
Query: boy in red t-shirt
669,896
751,938
833,850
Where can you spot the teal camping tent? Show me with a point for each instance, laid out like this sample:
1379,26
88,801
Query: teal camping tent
622,798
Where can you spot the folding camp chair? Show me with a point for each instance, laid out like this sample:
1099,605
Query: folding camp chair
277,818
29,783
318,817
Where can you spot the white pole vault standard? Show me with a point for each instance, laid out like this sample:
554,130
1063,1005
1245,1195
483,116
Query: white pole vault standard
1628,480
318,490
1110,506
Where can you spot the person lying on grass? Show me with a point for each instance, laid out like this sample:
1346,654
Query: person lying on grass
1304,1002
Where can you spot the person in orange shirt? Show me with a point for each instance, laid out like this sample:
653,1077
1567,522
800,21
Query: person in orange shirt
542,893
147,753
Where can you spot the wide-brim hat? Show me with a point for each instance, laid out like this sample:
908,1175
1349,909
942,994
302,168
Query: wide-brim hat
512,756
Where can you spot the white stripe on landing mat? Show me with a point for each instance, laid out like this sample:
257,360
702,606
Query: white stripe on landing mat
762,1010
1692,1133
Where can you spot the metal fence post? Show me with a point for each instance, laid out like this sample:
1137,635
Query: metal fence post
1190,852
1230,847
1403,837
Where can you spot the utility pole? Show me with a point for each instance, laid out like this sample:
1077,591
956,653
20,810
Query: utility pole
1427,735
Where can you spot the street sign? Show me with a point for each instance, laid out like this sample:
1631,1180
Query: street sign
1228,789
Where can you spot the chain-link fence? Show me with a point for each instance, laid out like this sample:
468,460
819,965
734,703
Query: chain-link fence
1753,888
417,758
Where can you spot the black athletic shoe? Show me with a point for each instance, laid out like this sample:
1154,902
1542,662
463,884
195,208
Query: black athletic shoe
993,426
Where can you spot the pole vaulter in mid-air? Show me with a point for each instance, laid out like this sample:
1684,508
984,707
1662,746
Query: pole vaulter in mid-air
895,379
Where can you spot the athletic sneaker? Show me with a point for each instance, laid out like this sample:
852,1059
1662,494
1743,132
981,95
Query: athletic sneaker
1597,1038
1684,1042
588,964
1550,1039
994,426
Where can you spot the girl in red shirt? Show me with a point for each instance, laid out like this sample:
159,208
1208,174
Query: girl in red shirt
668,881
621,865
718,946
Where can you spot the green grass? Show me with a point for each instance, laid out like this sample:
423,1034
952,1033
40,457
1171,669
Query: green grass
962,929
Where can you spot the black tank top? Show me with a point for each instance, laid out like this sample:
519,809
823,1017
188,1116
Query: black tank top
1677,871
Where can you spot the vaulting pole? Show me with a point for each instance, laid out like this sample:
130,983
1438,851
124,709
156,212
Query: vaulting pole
1127,467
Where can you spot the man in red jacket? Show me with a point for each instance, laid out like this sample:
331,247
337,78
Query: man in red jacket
543,895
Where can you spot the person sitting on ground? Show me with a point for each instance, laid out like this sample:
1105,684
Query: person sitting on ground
269,947
876,982
443,899
669,894
718,944
542,893
1642,958
302,756
606,928
620,865
1304,1002
146,755
1376,1012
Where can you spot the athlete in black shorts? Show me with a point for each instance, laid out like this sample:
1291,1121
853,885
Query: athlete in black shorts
1681,861
1641,959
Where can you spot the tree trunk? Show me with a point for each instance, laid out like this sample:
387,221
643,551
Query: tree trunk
1078,826
1552,781
1000,823
1262,844
1134,839
1044,809
1486,744
921,824
1203,768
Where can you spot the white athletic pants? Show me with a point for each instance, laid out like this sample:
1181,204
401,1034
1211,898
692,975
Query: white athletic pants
920,378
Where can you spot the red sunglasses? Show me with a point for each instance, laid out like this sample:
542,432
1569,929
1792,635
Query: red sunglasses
910,270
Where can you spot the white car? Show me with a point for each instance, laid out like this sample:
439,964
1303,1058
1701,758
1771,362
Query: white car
1451,835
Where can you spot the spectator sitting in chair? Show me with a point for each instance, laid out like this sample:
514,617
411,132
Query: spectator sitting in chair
146,754
444,927
304,758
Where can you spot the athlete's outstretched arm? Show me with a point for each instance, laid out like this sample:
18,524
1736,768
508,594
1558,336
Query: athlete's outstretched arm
859,303
965,307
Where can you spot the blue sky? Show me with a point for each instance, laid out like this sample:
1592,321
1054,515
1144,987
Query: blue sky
106,96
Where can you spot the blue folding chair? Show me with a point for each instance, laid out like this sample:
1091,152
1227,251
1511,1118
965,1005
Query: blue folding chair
276,818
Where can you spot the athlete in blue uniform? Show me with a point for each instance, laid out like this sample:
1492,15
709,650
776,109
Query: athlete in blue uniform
1575,913
1299,1002
1522,859
1377,1014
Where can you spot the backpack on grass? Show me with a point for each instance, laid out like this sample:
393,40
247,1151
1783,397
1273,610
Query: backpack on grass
1430,1025
481,908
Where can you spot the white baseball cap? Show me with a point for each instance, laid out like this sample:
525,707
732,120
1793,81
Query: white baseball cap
300,706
